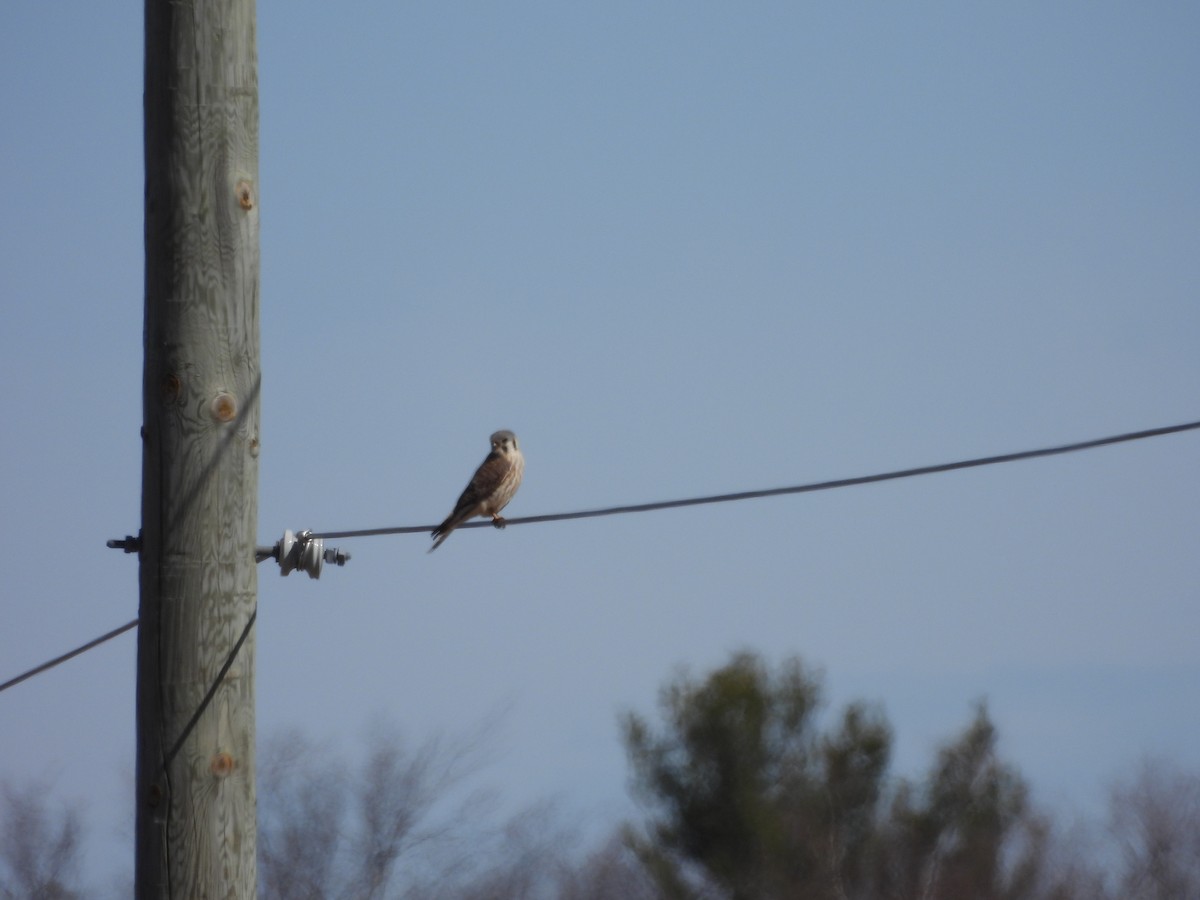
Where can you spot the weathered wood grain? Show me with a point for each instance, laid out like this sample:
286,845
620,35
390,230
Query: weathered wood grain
196,817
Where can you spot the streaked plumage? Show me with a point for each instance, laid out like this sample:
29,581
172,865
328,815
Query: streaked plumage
493,485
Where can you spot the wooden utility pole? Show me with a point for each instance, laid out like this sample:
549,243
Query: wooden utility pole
195,761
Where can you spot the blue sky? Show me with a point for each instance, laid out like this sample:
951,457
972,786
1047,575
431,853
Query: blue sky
679,249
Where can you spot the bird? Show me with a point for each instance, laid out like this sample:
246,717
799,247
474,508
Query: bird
491,487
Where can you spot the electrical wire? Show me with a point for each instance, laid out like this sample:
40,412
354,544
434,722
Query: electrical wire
129,626
796,489
58,660
212,692
636,508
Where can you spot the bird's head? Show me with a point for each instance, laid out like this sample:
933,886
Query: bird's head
504,442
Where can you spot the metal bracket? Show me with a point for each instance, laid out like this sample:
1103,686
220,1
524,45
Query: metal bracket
294,551
301,551
130,544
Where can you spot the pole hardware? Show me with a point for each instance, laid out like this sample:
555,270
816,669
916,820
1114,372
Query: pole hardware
130,544
303,552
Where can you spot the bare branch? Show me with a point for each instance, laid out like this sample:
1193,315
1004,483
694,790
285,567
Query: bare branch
39,850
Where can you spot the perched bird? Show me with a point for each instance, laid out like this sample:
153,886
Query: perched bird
492,486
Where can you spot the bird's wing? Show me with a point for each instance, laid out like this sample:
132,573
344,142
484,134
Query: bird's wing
487,478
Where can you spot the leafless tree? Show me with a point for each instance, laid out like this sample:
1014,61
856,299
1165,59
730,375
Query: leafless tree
1155,820
406,823
523,859
399,803
533,856
39,849
330,830
302,798
612,872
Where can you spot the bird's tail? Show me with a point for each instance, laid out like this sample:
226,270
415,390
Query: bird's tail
440,534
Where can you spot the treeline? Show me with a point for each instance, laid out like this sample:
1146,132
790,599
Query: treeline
749,798
748,790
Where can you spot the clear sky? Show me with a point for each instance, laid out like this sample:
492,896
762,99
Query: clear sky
679,249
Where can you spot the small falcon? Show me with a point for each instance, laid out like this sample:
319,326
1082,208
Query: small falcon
493,485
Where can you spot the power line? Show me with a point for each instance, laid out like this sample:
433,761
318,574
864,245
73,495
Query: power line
128,626
648,507
212,692
795,489
50,664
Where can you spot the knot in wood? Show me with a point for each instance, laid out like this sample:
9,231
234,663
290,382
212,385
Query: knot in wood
224,407
245,195
222,765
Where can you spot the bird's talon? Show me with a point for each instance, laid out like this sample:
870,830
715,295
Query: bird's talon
498,521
